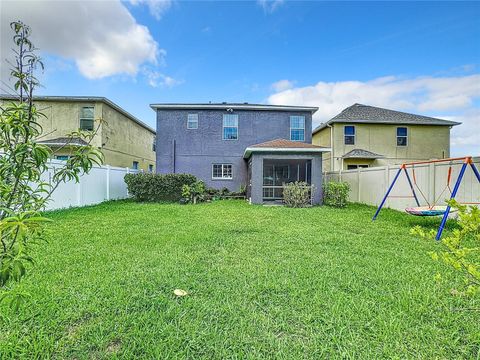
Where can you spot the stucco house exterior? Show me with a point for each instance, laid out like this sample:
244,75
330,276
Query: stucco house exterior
366,136
233,145
124,140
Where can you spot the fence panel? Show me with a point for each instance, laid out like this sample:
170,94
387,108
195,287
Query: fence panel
430,183
101,184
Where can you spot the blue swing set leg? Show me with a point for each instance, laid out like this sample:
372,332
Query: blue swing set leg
391,187
454,193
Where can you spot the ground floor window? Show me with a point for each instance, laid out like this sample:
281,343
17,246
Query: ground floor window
356,166
150,168
222,171
62,157
135,165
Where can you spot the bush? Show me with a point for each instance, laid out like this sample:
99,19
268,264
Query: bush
157,187
297,194
336,193
195,192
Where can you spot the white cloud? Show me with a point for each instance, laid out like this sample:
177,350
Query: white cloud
269,6
282,85
156,7
442,97
158,79
101,37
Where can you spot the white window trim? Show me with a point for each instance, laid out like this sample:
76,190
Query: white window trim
297,128
80,118
354,135
396,137
188,122
223,129
222,178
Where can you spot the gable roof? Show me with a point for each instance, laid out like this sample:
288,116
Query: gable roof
362,154
283,145
85,99
64,141
365,114
233,106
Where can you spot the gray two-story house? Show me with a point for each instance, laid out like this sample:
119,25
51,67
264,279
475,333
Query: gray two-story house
230,145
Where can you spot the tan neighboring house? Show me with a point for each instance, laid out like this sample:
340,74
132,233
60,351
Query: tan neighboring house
365,136
124,140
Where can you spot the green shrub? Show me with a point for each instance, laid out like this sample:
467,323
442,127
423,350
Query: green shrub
297,194
195,192
336,193
157,187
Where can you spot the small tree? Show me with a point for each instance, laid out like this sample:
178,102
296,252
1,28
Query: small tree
194,192
23,194
460,250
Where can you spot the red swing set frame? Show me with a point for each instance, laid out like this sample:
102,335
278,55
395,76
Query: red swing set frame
467,160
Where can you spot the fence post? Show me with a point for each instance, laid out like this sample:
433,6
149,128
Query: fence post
108,182
387,180
431,183
359,187
78,188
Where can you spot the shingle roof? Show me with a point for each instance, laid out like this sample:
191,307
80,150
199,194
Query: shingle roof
362,154
63,141
284,146
366,114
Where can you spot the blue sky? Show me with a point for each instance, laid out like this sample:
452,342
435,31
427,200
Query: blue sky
421,57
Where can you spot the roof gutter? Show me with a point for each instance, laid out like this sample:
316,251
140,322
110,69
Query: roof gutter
250,150
232,106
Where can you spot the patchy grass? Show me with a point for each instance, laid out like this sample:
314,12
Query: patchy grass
262,282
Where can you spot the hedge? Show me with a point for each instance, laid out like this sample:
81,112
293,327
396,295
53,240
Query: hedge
157,187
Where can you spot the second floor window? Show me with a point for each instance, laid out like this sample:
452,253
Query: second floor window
230,127
192,121
297,128
402,136
349,135
86,118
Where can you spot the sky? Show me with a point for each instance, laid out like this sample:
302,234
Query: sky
419,57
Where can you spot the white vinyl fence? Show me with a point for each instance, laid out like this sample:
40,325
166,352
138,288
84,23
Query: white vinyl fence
101,184
369,185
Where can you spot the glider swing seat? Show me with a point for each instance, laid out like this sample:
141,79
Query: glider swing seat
431,209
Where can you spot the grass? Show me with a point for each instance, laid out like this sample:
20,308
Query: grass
263,282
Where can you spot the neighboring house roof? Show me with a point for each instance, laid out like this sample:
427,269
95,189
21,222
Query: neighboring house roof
86,99
282,145
366,114
233,106
361,154
64,141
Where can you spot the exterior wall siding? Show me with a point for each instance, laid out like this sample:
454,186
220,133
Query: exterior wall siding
193,151
121,140
424,142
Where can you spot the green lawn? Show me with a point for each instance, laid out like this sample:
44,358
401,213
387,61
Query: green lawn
264,282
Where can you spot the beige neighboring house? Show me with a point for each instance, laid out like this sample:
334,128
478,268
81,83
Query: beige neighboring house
124,140
365,136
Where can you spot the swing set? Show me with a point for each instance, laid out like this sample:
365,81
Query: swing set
432,209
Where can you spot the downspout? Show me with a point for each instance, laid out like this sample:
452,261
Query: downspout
174,146
331,146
